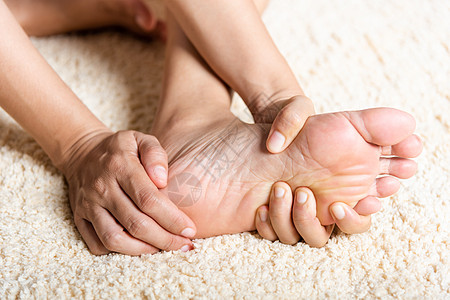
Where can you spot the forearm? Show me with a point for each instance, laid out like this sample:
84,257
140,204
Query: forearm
232,38
33,94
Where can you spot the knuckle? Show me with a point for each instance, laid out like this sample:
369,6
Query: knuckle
280,210
146,199
136,225
100,188
170,243
112,240
156,152
289,118
83,208
153,140
115,163
277,214
177,221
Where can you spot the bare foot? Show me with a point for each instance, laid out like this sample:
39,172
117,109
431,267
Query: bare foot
47,17
221,173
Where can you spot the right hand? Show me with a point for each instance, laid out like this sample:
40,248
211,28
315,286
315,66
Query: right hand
113,190
289,218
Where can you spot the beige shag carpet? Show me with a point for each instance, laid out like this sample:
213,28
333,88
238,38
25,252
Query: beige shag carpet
347,55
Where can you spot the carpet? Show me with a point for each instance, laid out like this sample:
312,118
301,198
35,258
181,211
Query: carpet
347,55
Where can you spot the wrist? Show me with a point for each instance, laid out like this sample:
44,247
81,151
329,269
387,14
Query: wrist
72,148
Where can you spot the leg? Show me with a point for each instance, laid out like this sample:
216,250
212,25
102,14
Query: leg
46,17
191,94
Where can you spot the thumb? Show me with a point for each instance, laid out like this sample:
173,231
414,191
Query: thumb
154,158
288,123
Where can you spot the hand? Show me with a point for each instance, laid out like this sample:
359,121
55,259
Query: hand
288,117
287,220
113,190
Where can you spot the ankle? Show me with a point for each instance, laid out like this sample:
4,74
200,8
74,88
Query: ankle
186,120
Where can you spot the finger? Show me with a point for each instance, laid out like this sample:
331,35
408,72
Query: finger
90,237
155,204
144,228
305,220
398,167
263,225
288,123
385,186
408,148
367,206
114,238
153,157
348,220
280,211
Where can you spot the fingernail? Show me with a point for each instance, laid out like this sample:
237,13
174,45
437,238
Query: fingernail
185,248
279,192
302,197
161,173
276,141
188,232
338,212
263,215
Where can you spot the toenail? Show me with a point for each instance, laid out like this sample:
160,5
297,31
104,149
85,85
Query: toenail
188,232
338,212
279,192
263,215
302,197
276,141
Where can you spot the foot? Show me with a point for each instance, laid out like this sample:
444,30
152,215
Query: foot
47,17
221,173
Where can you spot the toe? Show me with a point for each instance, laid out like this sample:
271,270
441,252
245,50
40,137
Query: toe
383,126
367,206
398,167
408,148
385,187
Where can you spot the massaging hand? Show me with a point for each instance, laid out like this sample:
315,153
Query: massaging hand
113,189
289,217
287,117
285,219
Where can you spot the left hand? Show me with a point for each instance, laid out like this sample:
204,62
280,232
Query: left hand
288,220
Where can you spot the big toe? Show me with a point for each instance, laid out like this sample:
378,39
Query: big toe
383,126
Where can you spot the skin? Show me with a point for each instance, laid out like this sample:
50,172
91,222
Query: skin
268,86
89,138
293,217
48,17
226,200
261,76
87,153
